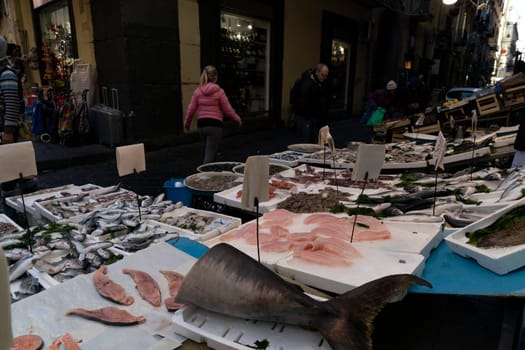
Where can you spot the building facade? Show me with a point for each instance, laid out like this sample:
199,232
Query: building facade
150,54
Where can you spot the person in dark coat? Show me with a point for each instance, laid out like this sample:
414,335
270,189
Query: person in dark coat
388,99
311,102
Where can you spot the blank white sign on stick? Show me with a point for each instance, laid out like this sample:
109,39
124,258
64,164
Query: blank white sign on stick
15,159
130,159
370,160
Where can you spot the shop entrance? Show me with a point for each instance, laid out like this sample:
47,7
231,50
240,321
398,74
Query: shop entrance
338,44
244,70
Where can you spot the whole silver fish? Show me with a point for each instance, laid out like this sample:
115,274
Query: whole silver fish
513,192
21,266
227,281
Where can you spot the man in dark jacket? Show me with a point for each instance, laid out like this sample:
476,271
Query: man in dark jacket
310,102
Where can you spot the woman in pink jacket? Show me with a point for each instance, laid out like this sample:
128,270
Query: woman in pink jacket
211,102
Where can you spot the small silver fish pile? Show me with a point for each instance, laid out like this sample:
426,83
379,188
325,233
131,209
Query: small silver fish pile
82,203
60,251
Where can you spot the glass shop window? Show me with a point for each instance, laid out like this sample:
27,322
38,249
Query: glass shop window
339,75
57,51
244,70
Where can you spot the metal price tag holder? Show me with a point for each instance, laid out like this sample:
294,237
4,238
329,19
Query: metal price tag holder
440,149
370,160
255,188
131,160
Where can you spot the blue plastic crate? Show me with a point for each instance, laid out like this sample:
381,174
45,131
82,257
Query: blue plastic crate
176,191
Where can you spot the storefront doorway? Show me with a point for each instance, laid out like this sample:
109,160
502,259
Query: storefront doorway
339,35
244,65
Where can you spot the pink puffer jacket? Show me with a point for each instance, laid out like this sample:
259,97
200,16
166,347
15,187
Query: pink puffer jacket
212,103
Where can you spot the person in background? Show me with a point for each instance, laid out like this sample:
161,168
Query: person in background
310,102
210,100
11,113
14,53
388,99
417,97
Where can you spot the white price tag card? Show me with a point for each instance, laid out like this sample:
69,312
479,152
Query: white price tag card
255,183
130,159
439,151
370,160
17,158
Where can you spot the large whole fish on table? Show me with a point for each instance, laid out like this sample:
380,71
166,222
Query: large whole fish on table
227,281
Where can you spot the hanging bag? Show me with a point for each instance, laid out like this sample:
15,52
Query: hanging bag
376,118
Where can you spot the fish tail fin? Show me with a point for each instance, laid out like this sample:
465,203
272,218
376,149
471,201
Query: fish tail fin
355,311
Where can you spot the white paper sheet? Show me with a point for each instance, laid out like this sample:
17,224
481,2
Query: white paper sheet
130,159
17,158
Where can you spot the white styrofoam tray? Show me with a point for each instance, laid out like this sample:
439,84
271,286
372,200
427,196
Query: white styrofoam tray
229,197
6,219
223,332
221,223
403,253
409,237
290,158
460,157
374,263
89,198
498,260
15,202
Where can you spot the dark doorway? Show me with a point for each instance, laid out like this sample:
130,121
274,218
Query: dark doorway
338,45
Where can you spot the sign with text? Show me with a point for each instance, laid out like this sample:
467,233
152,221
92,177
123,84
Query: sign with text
370,160
17,158
130,159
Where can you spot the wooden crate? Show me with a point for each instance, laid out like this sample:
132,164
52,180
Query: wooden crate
488,104
514,97
428,129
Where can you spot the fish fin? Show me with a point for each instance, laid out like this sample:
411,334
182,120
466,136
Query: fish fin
356,310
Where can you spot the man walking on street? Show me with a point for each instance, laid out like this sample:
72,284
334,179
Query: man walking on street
309,100
10,113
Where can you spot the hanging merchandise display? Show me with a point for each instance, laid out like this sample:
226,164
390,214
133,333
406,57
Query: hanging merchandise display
56,51
244,65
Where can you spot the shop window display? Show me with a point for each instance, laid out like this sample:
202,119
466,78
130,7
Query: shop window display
56,52
244,64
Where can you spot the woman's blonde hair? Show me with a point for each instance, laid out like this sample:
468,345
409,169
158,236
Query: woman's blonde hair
209,75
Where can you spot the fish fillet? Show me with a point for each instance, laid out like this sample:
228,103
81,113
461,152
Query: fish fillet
175,280
109,315
68,342
27,342
148,288
109,289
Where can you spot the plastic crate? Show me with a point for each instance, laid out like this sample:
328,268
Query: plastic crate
487,104
176,191
514,97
